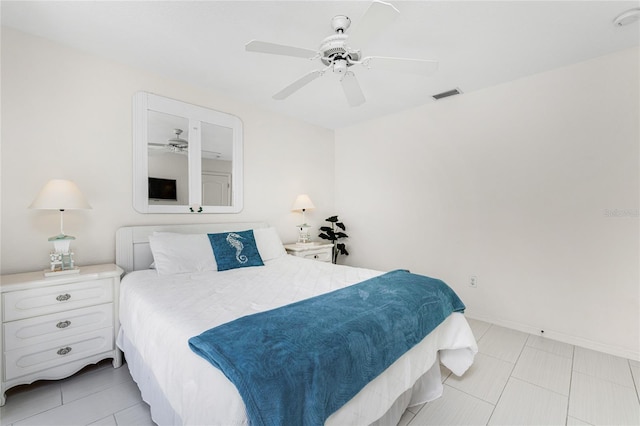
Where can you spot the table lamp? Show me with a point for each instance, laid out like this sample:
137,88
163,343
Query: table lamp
60,194
303,203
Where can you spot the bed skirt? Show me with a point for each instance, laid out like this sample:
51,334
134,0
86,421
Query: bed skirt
412,380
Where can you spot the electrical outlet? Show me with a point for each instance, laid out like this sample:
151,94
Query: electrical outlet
473,281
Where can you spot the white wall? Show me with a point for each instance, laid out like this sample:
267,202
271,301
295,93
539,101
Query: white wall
66,114
532,185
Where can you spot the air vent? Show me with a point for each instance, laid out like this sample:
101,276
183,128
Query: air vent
448,93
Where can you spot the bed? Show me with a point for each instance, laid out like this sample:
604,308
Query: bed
164,305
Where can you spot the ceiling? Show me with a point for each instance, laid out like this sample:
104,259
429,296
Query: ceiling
477,43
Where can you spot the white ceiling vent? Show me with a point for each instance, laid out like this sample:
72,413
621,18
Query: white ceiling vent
448,93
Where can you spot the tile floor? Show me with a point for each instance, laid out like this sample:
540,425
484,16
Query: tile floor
517,379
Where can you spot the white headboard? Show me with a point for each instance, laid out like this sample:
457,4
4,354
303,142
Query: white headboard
132,242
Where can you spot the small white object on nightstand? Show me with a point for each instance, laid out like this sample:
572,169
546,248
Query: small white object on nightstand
313,251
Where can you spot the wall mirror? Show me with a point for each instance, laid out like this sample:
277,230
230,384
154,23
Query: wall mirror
186,158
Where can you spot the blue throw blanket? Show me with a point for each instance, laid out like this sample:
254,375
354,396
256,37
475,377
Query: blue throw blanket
298,364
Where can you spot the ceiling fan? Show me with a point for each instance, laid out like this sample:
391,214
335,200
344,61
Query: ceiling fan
341,51
174,144
178,145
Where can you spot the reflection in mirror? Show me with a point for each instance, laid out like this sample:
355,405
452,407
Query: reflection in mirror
168,161
217,165
186,158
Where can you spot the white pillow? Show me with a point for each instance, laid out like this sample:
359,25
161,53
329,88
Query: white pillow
179,253
268,243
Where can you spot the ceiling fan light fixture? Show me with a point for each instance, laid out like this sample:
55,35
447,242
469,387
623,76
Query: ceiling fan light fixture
340,66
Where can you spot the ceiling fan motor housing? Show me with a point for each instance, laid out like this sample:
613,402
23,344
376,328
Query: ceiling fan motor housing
177,141
333,49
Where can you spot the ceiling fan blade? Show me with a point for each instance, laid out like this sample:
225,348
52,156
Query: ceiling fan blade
375,19
352,89
297,85
279,49
413,66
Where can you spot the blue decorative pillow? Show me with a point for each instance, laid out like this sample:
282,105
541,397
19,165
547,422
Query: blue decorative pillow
235,250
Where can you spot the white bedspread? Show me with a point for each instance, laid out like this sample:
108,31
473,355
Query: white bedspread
159,314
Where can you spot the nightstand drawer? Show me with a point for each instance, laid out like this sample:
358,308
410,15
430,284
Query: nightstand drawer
56,326
30,359
315,251
58,298
320,255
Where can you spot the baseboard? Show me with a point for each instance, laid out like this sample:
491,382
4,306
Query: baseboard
561,337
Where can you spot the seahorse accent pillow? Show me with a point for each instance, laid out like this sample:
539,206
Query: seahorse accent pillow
235,250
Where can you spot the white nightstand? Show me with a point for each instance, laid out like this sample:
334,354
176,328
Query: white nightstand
54,326
314,251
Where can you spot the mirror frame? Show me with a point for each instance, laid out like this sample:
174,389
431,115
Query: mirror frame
143,102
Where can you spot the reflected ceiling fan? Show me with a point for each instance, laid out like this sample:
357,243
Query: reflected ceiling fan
341,51
179,145
175,144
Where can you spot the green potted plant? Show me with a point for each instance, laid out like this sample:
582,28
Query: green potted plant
330,233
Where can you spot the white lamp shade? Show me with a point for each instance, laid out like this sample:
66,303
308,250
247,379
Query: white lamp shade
60,194
303,202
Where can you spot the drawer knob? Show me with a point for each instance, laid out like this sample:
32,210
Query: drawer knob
64,351
63,297
63,324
